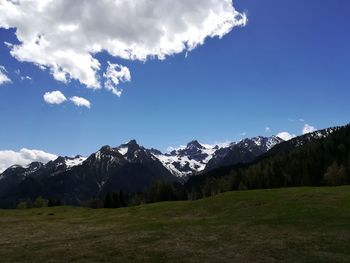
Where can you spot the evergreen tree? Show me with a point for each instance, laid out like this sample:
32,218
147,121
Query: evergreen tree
115,200
108,202
122,201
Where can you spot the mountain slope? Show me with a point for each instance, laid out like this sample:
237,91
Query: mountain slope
244,151
301,140
315,159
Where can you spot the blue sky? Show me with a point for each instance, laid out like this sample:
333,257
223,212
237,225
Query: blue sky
290,62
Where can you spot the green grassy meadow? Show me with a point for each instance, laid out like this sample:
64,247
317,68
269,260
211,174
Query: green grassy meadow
280,225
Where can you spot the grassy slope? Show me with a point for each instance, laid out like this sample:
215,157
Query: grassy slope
283,225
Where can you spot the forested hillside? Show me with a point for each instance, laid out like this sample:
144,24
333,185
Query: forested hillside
308,160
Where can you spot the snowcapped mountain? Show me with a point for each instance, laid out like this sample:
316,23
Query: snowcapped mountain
243,151
196,157
63,163
187,160
59,165
182,162
19,181
132,168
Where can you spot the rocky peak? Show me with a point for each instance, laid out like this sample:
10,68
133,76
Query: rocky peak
131,147
35,165
194,144
132,142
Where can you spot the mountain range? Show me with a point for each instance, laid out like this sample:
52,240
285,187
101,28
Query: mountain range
130,168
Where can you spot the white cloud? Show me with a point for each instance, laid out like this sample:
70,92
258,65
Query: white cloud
285,136
64,35
267,129
114,75
308,129
54,97
80,102
23,157
3,77
26,78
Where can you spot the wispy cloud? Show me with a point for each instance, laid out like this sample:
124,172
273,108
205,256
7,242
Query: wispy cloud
26,78
114,75
3,76
296,120
22,77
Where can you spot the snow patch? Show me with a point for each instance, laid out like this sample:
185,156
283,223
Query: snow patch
71,162
123,150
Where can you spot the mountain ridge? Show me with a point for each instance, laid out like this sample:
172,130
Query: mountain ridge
131,167
183,161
